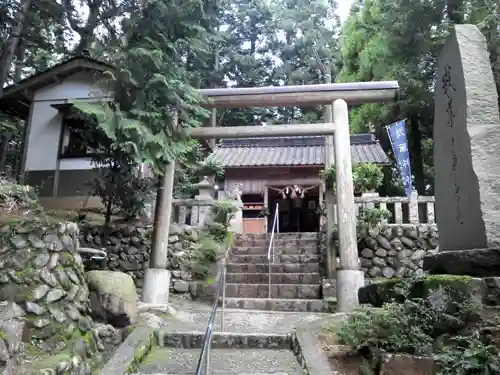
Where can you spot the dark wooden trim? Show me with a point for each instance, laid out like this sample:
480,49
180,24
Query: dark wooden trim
58,159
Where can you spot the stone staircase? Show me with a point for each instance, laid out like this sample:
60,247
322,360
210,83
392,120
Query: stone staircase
295,274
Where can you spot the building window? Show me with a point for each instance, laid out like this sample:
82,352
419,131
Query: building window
73,144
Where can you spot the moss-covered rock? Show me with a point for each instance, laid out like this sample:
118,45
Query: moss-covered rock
458,288
42,272
113,297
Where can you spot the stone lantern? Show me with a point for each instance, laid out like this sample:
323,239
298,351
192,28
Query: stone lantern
205,189
200,212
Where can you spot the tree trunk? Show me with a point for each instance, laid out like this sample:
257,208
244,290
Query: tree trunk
12,43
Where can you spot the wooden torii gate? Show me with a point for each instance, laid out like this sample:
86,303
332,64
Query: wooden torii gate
337,95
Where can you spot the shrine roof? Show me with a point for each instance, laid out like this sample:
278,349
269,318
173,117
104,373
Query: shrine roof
293,151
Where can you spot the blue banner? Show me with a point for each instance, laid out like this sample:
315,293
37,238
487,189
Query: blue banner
399,141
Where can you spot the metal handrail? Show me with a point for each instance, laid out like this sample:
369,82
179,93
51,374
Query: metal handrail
96,254
270,250
205,355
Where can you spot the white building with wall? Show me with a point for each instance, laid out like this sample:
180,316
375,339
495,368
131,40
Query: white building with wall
53,159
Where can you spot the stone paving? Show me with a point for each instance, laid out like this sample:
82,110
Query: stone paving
224,361
193,316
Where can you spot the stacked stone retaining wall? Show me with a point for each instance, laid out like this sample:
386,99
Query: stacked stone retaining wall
128,246
42,279
396,250
392,250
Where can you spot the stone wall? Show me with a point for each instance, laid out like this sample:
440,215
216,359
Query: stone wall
42,276
128,247
396,250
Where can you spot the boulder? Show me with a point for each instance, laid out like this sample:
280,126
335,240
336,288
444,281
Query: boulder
475,262
396,364
378,293
113,297
435,288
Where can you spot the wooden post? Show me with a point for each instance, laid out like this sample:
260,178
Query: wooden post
213,118
330,201
331,255
213,124
349,277
157,277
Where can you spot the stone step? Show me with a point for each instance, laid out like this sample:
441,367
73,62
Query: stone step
277,243
262,250
287,305
224,361
220,373
288,291
266,236
224,340
275,268
278,258
276,278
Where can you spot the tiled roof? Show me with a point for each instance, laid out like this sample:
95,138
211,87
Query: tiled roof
290,151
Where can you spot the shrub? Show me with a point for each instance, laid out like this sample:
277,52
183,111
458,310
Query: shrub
443,325
469,355
367,176
203,254
210,167
15,198
328,175
214,241
372,217
222,213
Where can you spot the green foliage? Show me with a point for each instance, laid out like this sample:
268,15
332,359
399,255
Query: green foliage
391,329
193,165
17,199
211,167
203,254
442,322
371,217
115,159
468,355
116,131
214,240
367,177
401,40
11,145
222,213
264,212
328,175
186,173
120,189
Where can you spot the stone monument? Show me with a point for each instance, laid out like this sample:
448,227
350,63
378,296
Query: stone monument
466,155
467,144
